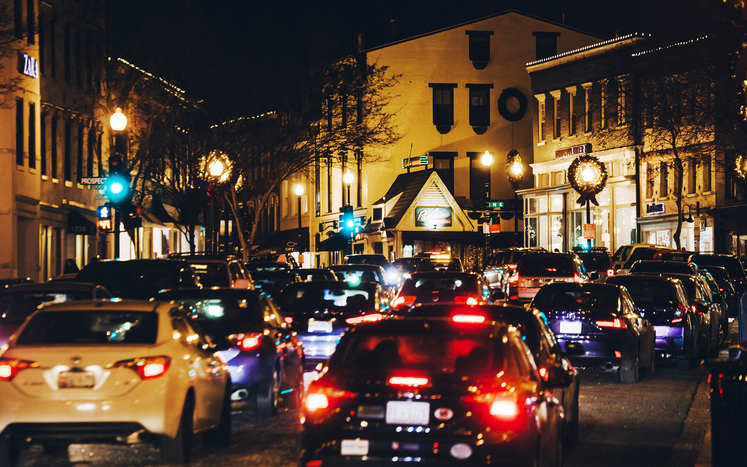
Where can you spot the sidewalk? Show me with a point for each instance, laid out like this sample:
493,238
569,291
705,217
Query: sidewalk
704,458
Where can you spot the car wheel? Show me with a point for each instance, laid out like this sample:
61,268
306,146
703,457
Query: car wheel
178,450
267,403
631,375
220,436
9,451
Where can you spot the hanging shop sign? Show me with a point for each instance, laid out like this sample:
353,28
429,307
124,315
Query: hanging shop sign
655,208
28,65
579,150
428,217
415,161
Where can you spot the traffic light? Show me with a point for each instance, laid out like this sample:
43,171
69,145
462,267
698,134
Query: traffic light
347,221
117,187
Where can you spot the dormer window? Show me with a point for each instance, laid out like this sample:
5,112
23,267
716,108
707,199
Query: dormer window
479,48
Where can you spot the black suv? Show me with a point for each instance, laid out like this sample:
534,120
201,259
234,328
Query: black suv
536,270
597,261
140,278
502,265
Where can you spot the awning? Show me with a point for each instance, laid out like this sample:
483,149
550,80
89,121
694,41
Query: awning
79,224
336,242
285,241
497,239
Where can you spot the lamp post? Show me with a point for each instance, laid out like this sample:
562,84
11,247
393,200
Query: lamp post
118,122
298,189
487,161
515,172
588,176
347,179
218,172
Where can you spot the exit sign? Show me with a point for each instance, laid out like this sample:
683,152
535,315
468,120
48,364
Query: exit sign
496,204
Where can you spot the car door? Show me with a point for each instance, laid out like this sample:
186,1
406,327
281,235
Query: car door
642,327
290,348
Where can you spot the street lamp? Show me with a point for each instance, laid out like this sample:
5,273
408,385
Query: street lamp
118,122
347,179
587,176
218,171
515,172
487,161
298,189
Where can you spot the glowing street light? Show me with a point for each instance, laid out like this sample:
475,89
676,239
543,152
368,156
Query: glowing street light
118,120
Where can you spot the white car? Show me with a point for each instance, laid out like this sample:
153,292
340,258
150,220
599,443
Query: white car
112,372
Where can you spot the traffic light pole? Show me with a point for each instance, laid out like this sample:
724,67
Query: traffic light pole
117,218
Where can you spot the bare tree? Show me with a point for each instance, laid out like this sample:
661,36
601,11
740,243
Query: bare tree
12,32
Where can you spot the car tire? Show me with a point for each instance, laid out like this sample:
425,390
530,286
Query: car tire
9,451
632,374
267,401
178,450
220,436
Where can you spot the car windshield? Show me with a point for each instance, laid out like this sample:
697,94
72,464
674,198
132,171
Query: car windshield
576,298
224,316
431,352
15,307
355,276
546,265
90,328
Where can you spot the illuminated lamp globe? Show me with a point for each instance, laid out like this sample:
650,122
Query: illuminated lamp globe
118,120
589,174
517,168
487,159
216,168
298,189
348,178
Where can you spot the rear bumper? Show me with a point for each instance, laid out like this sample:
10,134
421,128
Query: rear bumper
601,351
81,432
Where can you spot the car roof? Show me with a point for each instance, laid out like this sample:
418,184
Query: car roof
52,286
439,274
175,294
588,287
647,277
107,305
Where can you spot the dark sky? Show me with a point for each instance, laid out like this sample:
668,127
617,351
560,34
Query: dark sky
245,53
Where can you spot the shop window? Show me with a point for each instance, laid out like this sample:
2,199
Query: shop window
530,232
479,48
443,106
556,203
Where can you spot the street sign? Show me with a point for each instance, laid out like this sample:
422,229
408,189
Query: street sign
96,182
496,204
589,230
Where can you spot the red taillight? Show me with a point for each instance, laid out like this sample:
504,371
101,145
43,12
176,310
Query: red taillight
249,342
369,318
676,320
466,300
610,272
412,381
503,406
403,300
314,464
513,280
544,373
578,279
319,398
695,310
468,319
147,367
9,368
616,323
288,319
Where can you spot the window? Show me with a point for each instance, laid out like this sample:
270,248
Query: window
571,110
479,48
587,108
90,153
32,135
603,103
52,48
649,181
79,149
706,165
66,53
443,162
730,182
663,180
43,131
556,114
53,139
30,18
541,117
18,18
692,174
443,106
479,106
42,52
68,162
19,132
546,44
478,178
78,60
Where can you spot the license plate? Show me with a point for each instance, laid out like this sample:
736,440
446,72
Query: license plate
354,447
409,413
319,326
570,327
76,379
661,331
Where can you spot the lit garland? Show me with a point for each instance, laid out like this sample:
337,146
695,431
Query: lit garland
588,177
514,168
741,167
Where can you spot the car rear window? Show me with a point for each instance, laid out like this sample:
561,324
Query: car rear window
546,265
595,262
304,298
661,266
445,283
212,274
649,293
222,317
432,352
15,307
90,328
576,298
640,253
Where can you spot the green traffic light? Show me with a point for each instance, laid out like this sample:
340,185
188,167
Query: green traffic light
117,188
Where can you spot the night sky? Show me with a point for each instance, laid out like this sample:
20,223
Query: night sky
243,55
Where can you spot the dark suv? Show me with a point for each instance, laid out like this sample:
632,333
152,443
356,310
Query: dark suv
730,262
140,278
597,262
536,269
502,264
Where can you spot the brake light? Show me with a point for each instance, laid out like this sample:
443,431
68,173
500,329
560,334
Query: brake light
695,310
610,272
466,300
578,279
147,367
369,318
9,368
616,323
403,300
676,320
468,319
411,381
504,409
288,319
249,342
544,373
513,280
319,398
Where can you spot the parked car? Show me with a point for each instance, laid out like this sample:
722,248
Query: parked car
140,278
664,302
321,311
721,275
730,262
599,325
18,302
265,358
443,287
106,372
537,269
315,274
502,265
703,302
541,342
218,271
434,391
597,262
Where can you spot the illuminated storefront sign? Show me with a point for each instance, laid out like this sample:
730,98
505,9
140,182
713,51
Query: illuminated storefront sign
429,217
579,150
655,208
28,65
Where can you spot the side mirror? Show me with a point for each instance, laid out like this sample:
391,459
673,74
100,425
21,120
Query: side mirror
574,348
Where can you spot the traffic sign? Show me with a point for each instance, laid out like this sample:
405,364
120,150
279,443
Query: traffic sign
496,204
